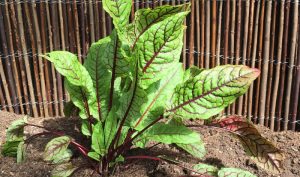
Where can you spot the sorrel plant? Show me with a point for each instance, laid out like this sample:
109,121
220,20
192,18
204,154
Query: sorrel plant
132,89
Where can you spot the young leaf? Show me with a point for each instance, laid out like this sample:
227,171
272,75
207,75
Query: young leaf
168,134
263,152
166,39
10,148
119,10
56,147
209,92
196,149
234,172
85,129
63,157
145,18
98,143
63,170
94,155
15,131
20,152
206,169
78,81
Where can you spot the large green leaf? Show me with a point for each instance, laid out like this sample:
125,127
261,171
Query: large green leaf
15,132
145,18
119,10
159,47
166,133
234,172
98,143
158,94
56,147
78,81
209,92
110,127
196,149
63,170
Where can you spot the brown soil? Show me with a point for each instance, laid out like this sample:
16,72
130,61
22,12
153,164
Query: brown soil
222,150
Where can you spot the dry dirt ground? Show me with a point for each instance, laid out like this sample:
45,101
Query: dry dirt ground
222,150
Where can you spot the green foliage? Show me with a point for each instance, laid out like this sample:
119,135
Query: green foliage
132,89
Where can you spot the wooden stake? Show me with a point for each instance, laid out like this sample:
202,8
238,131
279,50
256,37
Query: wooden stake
277,71
201,62
265,68
207,38
214,32
291,64
219,34
191,43
26,59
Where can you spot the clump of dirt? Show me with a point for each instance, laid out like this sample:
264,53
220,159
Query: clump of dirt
222,150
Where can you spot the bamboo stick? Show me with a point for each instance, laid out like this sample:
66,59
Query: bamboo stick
10,91
96,10
5,86
265,67
14,64
226,31
21,61
45,62
218,50
244,54
270,75
201,62
35,62
70,26
26,59
214,32
54,79
191,42
231,108
197,30
277,69
291,63
255,38
207,36
259,56
283,67
296,87
41,67
92,26
77,33
82,28
66,30
2,101
56,42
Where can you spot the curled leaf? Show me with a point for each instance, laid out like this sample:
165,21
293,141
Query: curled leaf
56,147
15,132
263,152
20,152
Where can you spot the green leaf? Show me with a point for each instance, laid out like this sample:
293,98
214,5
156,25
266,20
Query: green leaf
56,147
119,10
94,155
145,18
85,130
63,170
110,127
10,148
78,81
98,143
168,134
234,172
209,92
206,169
15,132
63,157
165,39
158,94
21,152
196,149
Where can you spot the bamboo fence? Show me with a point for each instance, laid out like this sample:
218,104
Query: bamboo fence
258,33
